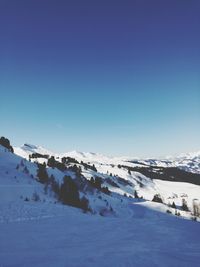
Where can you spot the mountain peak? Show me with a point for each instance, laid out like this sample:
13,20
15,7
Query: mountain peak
29,146
28,149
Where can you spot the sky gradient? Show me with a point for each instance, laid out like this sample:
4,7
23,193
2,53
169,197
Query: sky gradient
114,77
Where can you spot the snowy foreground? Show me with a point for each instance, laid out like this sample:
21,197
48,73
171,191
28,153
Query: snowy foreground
37,230
38,234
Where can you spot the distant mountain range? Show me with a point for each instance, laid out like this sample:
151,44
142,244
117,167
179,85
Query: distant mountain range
108,183
189,162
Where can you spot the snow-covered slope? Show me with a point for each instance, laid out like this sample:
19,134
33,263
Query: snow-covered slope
115,175
16,177
70,238
189,162
28,149
125,231
19,183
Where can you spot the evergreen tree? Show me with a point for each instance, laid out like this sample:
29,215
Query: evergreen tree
157,198
92,180
94,168
42,174
51,162
6,143
84,204
64,160
76,169
54,185
69,193
98,182
136,194
173,205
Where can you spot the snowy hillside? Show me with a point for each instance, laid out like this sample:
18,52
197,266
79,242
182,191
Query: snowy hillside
28,149
69,238
16,177
124,177
19,183
112,213
189,162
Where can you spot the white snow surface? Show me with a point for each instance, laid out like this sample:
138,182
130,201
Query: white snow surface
138,233
28,149
189,161
53,235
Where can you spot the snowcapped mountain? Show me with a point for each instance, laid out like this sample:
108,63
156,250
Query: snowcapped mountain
27,149
22,173
189,162
15,180
123,175
121,217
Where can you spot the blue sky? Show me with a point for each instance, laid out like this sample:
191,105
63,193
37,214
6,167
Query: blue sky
115,77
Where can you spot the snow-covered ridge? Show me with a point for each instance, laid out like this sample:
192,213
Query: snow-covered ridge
189,162
114,172
28,149
120,225
118,179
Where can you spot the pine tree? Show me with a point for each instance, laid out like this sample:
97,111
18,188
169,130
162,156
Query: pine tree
94,168
173,205
42,174
98,182
6,143
69,193
157,198
84,204
54,185
136,194
51,162
92,180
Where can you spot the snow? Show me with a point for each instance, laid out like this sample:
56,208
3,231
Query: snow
188,161
28,149
71,238
136,233
176,191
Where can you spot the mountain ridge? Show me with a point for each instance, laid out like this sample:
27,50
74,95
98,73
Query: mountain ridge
186,161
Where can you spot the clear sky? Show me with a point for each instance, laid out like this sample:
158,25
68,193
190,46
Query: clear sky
115,77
